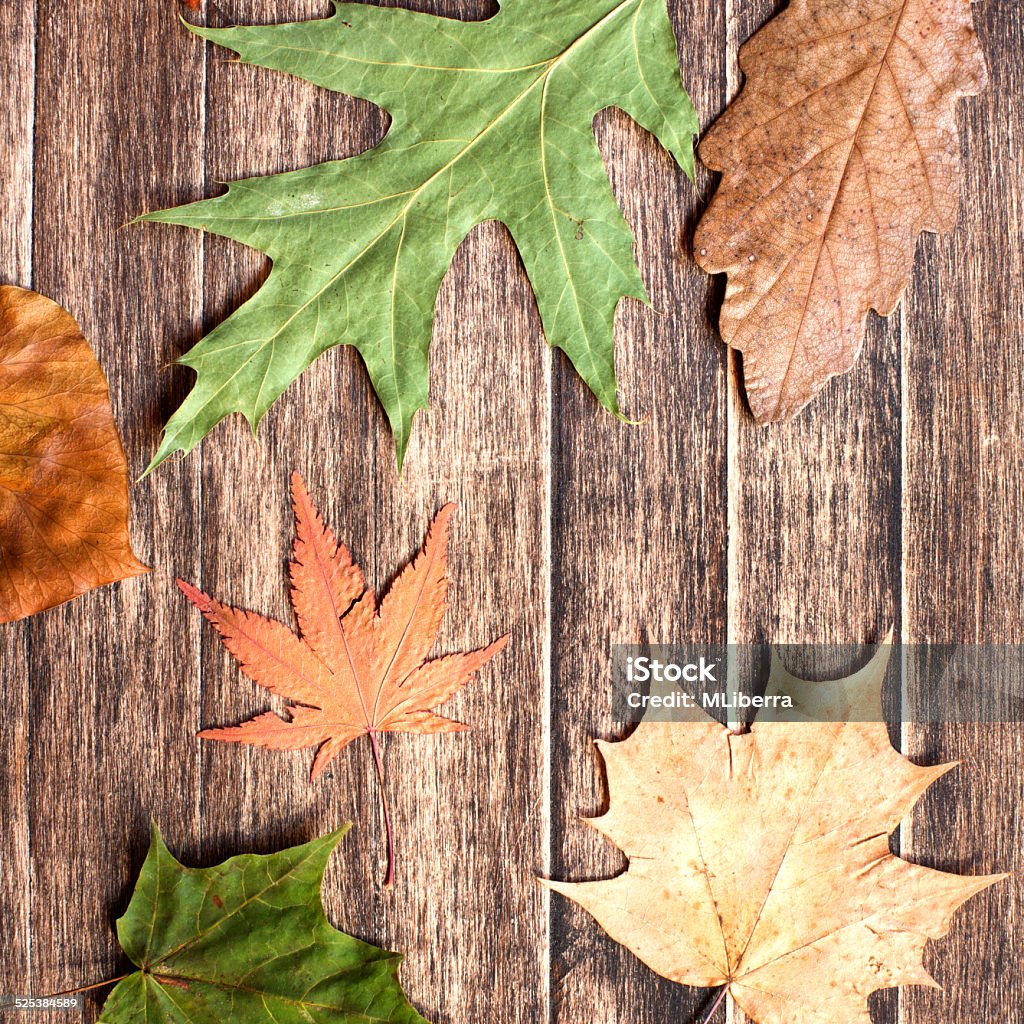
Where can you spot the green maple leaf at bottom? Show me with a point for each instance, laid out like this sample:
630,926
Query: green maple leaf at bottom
492,120
247,942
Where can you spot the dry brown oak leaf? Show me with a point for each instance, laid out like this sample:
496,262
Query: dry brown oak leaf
841,149
63,477
761,861
357,670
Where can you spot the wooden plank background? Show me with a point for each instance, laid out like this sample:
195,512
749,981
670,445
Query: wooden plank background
896,500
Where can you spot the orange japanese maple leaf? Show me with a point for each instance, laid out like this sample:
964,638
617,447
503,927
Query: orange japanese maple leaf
356,669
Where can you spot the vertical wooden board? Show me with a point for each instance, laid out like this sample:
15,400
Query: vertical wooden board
331,426
324,426
963,509
815,503
638,528
17,82
15,877
465,806
17,77
118,117
471,807
815,510
815,523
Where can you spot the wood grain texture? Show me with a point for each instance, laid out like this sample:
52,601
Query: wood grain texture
259,122
639,530
963,503
108,699
902,487
815,503
473,848
17,84
461,848
17,78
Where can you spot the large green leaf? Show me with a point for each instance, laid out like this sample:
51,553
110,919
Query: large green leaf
247,942
492,120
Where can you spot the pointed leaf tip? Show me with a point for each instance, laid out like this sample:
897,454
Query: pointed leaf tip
156,838
196,596
300,496
444,515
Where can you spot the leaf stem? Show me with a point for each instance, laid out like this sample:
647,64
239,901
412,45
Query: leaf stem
84,988
389,876
717,1003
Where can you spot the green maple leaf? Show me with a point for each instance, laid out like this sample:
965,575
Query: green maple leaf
492,120
247,942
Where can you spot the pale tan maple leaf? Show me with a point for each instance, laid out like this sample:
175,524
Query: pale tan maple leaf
761,861
840,150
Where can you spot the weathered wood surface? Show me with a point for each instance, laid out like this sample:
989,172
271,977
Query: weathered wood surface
105,675
17,80
895,500
814,554
963,557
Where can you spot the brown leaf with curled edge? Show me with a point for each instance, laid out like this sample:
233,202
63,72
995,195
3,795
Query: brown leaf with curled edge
760,861
841,149
356,670
63,477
